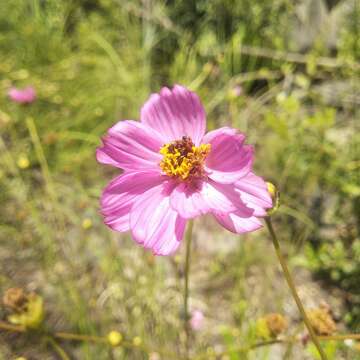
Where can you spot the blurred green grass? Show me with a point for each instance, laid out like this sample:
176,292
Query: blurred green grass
94,62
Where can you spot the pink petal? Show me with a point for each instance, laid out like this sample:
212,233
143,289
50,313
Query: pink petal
120,194
191,200
237,223
253,191
175,113
154,224
22,96
188,200
229,159
224,198
131,145
197,320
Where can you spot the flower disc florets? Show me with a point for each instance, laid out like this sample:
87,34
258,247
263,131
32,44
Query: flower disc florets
183,160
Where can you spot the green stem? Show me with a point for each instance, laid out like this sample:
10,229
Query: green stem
80,337
244,349
41,158
59,350
340,337
52,337
100,339
293,290
188,239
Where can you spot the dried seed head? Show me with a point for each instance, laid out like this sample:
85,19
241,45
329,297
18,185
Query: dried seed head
26,308
271,325
322,321
276,323
15,299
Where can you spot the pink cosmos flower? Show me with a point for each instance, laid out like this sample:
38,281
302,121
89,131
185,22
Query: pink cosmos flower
237,91
196,320
174,172
22,96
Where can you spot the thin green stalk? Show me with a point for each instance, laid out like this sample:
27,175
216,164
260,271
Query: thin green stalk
101,339
10,327
245,349
340,337
49,185
80,337
52,337
57,347
293,290
41,158
188,239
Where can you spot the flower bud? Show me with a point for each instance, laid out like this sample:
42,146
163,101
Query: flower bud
114,338
23,162
27,309
86,224
322,321
197,320
275,196
271,326
235,92
276,323
15,299
262,329
22,96
137,341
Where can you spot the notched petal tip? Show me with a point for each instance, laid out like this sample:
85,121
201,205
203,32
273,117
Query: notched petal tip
175,113
164,91
130,145
102,157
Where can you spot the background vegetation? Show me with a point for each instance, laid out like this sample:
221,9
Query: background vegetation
285,72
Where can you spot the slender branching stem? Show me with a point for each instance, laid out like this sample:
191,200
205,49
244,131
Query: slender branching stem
9,327
80,337
101,339
293,290
188,239
58,349
51,337
340,337
244,349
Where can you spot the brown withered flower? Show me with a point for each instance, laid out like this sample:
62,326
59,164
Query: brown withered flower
276,324
322,321
271,325
25,309
15,299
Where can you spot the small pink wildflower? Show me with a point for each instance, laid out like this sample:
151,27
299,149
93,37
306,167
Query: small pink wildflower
174,172
22,96
196,320
237,91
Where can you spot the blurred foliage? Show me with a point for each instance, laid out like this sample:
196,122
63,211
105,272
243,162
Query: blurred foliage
95,61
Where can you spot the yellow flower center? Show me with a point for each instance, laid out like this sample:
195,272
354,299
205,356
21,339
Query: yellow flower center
183,160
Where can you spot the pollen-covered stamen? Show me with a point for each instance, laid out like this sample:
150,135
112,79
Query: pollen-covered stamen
184,160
